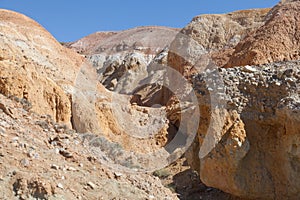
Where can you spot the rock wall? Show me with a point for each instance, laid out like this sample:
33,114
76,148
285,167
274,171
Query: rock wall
249,133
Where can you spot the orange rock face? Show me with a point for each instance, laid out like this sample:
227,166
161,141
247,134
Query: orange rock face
277,40
35,67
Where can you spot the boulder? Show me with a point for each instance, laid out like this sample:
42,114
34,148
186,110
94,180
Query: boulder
249,131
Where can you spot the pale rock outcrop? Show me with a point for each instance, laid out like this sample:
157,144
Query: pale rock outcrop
121,58
133,62
249,130
120,74
206,34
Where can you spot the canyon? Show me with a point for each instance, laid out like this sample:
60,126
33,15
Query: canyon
210,111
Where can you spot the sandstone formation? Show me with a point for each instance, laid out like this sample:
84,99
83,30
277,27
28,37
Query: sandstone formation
277,40
249,132
40,75
209,33
35,67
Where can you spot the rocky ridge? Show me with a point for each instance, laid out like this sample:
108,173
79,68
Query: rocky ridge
121,58
282,43
209,34
147,39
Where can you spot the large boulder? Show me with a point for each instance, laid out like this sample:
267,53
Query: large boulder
249,130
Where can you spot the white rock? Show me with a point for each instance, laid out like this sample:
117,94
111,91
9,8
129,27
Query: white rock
59,185
92,185
248,68
117,174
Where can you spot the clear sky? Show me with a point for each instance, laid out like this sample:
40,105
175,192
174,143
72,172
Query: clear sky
69,20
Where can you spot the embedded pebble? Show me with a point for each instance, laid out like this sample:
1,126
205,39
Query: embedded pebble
59,185
56,167
92,185
24,162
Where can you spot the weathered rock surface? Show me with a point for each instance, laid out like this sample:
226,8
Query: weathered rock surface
41,75
209,33
277,40
128,134
127,62
123,57
35,67
86,44
249,132
147,39
119,73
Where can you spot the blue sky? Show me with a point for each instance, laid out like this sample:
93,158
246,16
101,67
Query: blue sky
70,20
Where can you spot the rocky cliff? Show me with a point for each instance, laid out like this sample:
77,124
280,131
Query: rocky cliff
40,156
246,142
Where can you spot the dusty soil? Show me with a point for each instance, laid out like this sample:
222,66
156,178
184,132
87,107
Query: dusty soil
40,159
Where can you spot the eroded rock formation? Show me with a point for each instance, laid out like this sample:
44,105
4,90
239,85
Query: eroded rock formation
35,67
277,40
207,34
249,132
